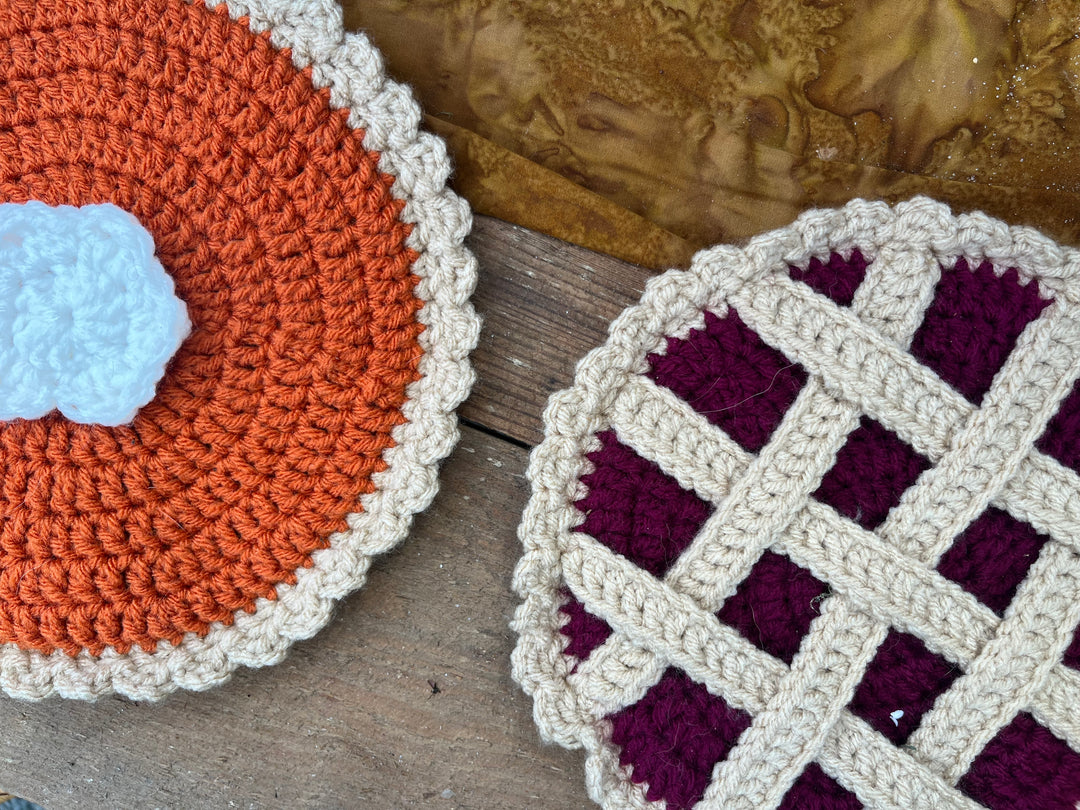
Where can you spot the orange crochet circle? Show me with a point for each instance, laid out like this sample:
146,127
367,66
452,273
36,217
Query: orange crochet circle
288,249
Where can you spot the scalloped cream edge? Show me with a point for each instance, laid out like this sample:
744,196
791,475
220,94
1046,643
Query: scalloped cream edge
672,304
350,66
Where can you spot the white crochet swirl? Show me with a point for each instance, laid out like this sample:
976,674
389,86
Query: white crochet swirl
90,317
352,69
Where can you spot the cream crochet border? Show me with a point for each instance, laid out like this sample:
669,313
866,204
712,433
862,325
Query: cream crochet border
352,69
660,622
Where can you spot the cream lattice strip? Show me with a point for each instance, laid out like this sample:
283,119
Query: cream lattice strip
663,428
1046,495
855,360
773,489
887,776
803,447
942,503
892,298
905,396
663,623
990,445
616,674
932,513
646,612
1058,702
1009,670
901,591
892,586
1025,395
906,594
795,725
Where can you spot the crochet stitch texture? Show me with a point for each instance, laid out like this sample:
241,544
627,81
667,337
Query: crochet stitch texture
307,227
88,318
805,533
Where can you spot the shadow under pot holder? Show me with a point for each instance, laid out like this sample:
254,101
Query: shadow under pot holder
305,224
805,533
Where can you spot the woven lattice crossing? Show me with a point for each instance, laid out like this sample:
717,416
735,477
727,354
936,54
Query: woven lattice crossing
885,466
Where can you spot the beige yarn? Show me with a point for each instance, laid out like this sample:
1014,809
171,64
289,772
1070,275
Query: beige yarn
857,364
351,68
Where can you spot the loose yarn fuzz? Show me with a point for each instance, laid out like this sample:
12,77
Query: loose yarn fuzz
306,222
805,532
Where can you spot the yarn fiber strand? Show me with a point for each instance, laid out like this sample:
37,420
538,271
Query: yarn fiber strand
803,533
306,224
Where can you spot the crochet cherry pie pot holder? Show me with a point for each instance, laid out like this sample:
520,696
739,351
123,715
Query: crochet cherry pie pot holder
306,228
805,533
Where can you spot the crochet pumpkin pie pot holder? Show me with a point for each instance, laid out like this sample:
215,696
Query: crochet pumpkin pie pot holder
303,222
805,533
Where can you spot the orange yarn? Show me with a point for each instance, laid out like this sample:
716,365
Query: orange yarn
288,250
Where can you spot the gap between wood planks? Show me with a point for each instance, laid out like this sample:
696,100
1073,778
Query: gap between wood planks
350,718
545,303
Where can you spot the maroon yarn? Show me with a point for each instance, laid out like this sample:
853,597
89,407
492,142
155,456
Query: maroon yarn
816,790
838,278
674,736
584,632
871,472
727,373
731,377
1024,767
903,675
774,605
637,510
1072,654
1061,440
992,557
972,325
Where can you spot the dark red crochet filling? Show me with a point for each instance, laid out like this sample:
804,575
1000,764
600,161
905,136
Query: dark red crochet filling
1024,767
731,377
584,632
904,676
774,605
871,472
992,557
1061,440
816,790
1072,654
674,736
972,325
838,278
635,509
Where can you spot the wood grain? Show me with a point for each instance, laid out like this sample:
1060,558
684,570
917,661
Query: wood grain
545,303
351,718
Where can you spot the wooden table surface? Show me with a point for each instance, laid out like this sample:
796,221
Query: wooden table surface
405,699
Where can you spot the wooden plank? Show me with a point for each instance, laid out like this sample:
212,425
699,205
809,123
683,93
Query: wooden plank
351,718
545,303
